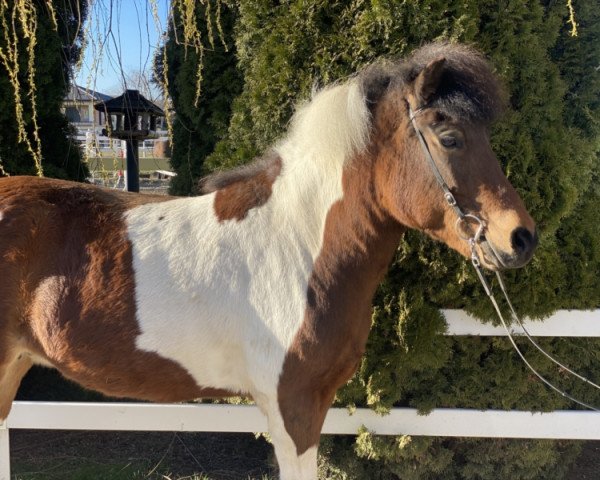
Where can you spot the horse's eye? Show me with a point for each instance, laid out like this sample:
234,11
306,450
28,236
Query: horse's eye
449,142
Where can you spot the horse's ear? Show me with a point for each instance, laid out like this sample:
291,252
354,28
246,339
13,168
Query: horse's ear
428,80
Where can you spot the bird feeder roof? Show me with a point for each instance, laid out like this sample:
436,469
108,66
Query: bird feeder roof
131,102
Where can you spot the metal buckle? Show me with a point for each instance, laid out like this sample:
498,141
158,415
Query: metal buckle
450,199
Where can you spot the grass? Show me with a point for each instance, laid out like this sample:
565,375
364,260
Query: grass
76,470
54,455
86,469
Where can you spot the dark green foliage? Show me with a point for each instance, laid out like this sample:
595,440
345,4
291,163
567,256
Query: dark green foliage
418,458
198,125
55,53
548,144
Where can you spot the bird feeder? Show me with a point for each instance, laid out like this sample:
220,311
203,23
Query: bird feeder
130,117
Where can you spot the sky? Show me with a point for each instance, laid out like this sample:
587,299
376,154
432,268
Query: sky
124,35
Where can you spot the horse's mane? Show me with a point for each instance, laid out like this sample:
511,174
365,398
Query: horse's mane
336,122
323,132
218,180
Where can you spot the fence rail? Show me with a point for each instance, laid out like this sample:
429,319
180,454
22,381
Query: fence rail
562,323
581,425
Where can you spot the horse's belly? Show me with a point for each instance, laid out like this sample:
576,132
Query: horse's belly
216,351
139,375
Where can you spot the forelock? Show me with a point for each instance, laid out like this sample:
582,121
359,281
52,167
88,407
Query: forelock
469,90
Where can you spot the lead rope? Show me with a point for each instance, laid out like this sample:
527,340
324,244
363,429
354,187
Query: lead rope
473,240
488,290
533,342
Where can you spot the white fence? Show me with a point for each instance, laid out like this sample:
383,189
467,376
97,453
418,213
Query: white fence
582,425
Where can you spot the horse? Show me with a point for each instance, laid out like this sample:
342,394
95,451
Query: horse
262,285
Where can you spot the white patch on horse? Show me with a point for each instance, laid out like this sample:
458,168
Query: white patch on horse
225,300
291,465
37,360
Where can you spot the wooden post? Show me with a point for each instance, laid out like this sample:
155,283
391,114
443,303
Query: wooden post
133,165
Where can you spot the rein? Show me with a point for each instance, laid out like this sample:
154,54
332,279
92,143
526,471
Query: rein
478,238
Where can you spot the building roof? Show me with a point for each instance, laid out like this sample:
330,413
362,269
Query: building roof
131,101
81,94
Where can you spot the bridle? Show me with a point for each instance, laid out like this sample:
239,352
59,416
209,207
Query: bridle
478,238
462,217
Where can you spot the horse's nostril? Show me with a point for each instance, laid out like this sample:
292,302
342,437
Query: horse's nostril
523,242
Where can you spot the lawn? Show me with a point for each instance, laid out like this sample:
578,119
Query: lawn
85,455
60,455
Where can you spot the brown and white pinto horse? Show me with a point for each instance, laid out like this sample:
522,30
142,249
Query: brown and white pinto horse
263,285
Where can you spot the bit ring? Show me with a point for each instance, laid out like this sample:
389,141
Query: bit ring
462,231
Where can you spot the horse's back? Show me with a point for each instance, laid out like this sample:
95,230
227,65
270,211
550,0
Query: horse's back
50,227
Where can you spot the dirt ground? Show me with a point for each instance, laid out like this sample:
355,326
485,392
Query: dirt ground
220,456
587,466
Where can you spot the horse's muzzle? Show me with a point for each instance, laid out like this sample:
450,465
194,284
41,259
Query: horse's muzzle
523,244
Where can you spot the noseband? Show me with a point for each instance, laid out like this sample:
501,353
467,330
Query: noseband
478,238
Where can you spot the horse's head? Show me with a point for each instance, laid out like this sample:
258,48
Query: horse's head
448,95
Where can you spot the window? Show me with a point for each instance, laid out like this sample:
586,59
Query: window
80,114
72,114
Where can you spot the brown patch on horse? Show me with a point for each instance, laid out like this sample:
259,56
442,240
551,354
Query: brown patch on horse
68,289
358,245
242,189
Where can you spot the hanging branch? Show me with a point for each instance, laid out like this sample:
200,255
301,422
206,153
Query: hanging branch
572,20
23,23
183,12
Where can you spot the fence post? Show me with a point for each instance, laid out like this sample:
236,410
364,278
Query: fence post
4,452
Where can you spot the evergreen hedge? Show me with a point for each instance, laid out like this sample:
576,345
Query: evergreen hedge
200,122
548,143
57,50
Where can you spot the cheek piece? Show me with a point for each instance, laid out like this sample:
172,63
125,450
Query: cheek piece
469,226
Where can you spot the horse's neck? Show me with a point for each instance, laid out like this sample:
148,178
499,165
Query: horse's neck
357,245
304,194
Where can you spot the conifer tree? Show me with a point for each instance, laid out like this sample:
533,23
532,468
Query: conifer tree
201,121
57,49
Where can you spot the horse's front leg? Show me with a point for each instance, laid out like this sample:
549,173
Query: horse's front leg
295,421
12,370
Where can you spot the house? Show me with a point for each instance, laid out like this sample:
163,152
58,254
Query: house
78,106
